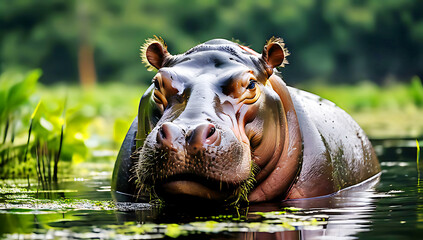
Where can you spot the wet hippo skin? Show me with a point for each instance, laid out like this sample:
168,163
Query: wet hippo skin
218,124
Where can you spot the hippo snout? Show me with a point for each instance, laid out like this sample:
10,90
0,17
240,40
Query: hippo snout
171,136
193,160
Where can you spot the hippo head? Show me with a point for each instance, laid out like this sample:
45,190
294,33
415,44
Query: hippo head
216,124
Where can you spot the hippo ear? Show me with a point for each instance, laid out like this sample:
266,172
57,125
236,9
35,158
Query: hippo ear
154,53
275,53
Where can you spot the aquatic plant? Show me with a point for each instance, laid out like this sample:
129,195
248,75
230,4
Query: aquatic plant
46,147
418,151
15,92
418,163
33,130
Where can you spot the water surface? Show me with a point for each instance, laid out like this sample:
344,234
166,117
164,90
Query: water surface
80,207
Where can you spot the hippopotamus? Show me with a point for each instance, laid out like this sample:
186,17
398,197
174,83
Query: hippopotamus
218,124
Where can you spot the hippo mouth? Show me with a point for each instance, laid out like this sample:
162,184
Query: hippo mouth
189,188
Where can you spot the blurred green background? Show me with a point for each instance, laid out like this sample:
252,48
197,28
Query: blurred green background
366,56
330,40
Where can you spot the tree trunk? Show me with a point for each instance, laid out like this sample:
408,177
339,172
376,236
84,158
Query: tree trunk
86,65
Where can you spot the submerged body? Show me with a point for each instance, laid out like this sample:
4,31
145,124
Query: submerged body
219,124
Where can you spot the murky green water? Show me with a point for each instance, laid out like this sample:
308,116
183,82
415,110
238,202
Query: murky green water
81,208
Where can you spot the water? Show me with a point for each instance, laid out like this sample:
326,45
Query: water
389,208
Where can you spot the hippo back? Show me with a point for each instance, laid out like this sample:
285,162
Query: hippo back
331,135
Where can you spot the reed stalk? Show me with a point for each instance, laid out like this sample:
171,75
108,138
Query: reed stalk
418,163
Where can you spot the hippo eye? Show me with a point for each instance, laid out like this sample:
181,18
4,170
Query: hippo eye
252,84
156,83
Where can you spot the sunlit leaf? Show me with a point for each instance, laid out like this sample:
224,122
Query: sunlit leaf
46,124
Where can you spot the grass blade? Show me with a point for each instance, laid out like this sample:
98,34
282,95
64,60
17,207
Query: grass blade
418,163
30,129
6,129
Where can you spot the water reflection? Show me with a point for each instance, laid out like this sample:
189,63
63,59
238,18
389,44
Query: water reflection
349,211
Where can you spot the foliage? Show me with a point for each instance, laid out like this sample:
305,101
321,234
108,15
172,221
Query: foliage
35,130
109,108
367,95
393,110
336,40
15,91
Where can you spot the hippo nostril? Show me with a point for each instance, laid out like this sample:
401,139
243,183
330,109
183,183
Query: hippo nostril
212,130
201,136
169,135
210,134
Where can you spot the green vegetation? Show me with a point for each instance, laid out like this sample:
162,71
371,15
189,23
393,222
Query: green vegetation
418,152
393,110
18,124
368,95
269,222
43,126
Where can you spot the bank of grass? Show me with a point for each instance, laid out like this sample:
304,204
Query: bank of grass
108,107
391,111
42,127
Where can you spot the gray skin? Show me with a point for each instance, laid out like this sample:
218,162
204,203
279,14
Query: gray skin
219,124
